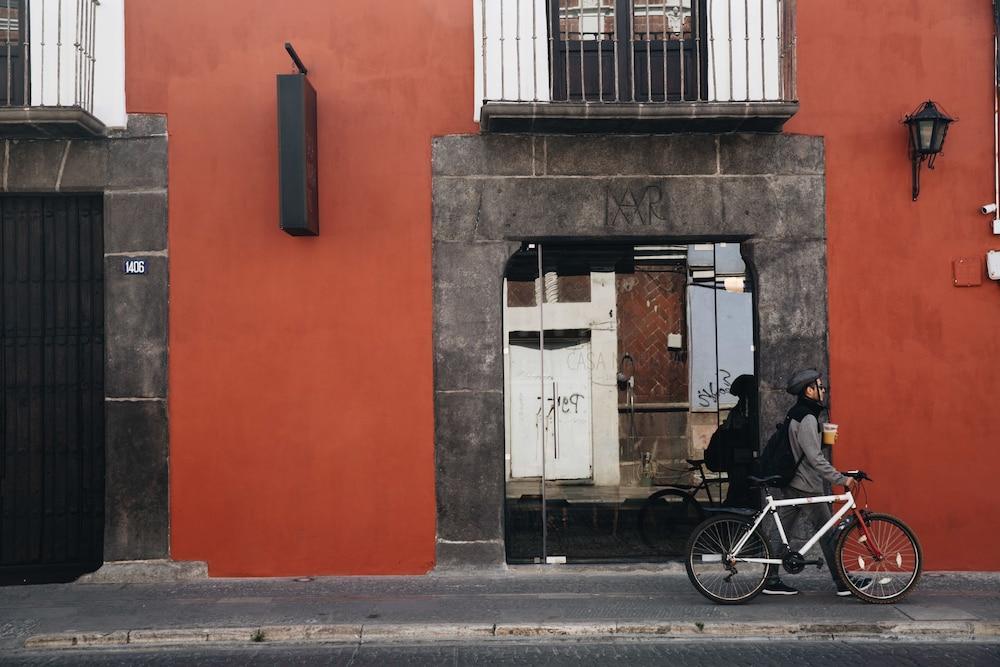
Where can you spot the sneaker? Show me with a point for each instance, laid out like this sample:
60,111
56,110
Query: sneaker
779,588
862,583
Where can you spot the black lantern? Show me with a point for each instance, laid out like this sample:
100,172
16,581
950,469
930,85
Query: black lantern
928,126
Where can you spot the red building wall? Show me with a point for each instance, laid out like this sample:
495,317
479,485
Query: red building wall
913,358
301,415
300,368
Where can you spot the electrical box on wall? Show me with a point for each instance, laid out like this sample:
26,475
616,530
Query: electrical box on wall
967,271
993,264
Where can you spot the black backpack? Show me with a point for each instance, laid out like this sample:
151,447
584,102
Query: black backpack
732,442
777,458
719,452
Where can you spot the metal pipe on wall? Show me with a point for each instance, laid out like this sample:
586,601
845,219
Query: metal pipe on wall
996,105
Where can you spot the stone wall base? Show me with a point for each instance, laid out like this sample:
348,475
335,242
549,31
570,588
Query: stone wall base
156,571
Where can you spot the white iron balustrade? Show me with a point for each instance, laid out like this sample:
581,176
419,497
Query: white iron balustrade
63,55
634,51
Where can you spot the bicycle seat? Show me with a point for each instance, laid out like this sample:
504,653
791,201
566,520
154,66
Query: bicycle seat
695,462
763,481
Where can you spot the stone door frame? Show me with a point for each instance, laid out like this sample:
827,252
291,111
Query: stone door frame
490,193
129,168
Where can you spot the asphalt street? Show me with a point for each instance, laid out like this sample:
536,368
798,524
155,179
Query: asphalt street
570,654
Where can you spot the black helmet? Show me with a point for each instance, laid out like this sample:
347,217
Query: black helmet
802,379
743,387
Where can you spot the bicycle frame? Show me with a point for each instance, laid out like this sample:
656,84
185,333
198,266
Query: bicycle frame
705,484
771,507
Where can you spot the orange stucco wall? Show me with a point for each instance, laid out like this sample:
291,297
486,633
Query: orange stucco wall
914,360
301,414
301,417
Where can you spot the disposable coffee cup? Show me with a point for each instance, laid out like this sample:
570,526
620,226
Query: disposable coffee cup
829,434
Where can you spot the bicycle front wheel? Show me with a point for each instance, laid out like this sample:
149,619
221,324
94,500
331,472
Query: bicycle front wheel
707,567
883,565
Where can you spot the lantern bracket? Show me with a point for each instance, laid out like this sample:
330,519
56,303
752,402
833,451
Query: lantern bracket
927,128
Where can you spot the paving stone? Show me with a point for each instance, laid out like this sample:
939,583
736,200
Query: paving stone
137,522
135,221
136,328
613,155
483,154
33,166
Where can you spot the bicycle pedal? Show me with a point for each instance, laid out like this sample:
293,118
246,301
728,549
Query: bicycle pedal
818,562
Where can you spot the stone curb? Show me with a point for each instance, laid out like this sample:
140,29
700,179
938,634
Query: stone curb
420,632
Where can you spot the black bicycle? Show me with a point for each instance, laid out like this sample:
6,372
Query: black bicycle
669,515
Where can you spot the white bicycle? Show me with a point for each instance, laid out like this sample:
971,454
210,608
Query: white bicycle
877,556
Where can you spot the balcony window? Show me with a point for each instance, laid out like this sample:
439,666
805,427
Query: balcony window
662,56
12,72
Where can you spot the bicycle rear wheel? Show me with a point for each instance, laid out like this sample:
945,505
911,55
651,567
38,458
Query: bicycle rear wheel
884,578
667,519
707,569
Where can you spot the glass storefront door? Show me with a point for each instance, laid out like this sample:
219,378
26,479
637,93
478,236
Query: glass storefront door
621,361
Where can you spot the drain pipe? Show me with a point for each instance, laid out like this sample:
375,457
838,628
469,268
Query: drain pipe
540,298
996,116
996,113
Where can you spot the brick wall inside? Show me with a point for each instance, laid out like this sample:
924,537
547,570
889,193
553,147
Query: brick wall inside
651,304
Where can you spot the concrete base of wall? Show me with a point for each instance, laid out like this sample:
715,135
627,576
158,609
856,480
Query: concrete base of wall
146,572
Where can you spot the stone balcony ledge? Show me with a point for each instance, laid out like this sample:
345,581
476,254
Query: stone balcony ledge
636,117
48,123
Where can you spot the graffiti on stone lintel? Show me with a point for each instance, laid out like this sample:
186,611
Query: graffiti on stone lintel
633,207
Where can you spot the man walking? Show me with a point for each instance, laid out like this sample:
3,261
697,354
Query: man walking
813,469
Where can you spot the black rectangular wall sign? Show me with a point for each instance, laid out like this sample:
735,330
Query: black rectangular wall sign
297,173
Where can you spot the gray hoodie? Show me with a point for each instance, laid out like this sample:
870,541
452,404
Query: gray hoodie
814,469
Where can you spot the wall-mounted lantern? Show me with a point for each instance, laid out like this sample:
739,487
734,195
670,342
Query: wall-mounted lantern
928,127
298,178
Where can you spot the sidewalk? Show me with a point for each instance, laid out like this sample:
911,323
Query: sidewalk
556,602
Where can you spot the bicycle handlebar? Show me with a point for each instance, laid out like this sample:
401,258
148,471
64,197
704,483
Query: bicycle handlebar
858,474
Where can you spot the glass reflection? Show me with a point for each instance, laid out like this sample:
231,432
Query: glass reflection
621,364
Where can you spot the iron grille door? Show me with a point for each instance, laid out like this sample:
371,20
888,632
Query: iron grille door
52,403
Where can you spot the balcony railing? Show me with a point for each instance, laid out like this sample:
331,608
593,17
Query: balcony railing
48,74
666,63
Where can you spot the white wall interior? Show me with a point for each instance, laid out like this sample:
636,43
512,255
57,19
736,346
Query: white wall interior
599,317
59,74
563,414
712,308
515,51
743,48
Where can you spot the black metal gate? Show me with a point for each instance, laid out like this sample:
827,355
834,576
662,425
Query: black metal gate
52,402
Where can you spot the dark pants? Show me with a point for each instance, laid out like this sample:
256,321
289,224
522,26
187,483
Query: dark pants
801,521
740,494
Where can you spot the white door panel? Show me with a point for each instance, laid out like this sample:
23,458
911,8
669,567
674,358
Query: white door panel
566,421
